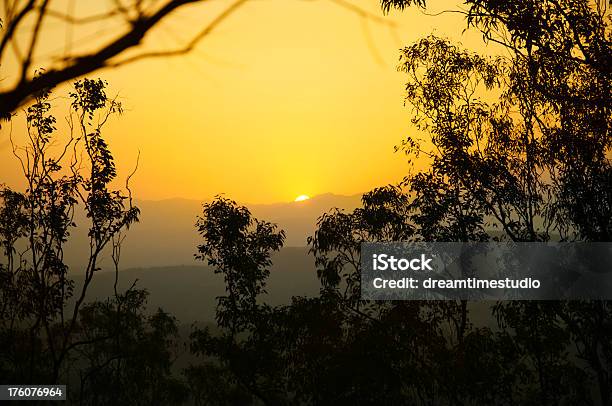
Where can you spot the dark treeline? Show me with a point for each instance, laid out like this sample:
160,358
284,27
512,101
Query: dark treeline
518,149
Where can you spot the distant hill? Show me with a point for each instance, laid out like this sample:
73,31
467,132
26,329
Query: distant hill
189,292
166,234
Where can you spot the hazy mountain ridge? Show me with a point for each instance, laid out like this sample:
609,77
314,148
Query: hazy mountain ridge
189,292
166,234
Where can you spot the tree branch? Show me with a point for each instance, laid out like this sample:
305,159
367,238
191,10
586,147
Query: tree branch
12,99
190,46
12,24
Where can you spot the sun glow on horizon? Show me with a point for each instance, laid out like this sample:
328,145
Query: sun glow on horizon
281,112
301,198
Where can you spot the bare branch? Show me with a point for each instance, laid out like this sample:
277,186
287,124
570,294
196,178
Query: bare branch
127,180
191,45
361,12
141,20
34,40
83,64
13,23
82,20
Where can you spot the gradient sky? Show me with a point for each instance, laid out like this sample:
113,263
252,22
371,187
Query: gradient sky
287,97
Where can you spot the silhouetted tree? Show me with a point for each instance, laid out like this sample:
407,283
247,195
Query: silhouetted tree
514,144
553,114
212,384
239,247
129,355
530,149
336,245
39,328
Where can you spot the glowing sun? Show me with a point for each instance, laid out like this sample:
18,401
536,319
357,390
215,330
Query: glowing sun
301,198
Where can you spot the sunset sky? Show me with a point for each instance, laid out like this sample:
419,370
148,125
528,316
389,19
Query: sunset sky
286,97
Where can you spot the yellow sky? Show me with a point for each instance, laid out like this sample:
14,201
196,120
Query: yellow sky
288,97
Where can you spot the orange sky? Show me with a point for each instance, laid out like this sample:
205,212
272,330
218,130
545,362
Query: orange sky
288,97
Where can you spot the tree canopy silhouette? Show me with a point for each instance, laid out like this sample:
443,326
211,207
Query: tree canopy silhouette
518,148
